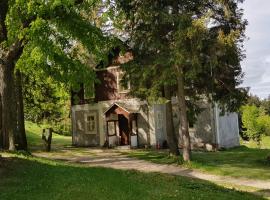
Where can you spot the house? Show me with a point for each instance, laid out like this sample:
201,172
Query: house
113,117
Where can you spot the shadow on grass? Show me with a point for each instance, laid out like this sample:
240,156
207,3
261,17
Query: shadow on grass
159,157
237,162
32,178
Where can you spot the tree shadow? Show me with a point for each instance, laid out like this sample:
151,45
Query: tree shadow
237,162
35,178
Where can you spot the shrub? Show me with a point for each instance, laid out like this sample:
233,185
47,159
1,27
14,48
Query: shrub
256,122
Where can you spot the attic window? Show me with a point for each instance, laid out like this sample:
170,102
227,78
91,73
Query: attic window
89,91
121,88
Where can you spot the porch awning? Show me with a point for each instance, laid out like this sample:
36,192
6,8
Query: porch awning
124,106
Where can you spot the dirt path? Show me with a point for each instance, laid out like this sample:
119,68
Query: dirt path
113,159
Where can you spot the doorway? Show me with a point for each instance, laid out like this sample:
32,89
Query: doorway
123,130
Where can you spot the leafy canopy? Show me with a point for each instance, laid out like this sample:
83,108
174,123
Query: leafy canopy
50,32
203,37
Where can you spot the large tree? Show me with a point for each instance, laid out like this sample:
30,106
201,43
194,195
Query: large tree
39,35
195,46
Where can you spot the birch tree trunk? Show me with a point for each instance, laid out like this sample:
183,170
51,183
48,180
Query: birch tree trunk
183,114
171,137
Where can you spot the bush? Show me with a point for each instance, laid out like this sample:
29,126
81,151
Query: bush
256,122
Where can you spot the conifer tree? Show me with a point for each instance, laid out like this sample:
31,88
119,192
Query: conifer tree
194,46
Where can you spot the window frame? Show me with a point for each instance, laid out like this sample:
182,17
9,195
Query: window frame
85,92
89,132
119,86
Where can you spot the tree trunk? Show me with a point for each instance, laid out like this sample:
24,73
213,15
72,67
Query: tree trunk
21,139
1,135
171,137
47,138
183,114
8,112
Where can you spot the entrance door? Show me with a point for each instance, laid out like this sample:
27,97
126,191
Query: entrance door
123,130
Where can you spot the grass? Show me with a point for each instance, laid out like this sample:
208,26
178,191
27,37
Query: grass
245,161
33,178
33,134
82,182
265,144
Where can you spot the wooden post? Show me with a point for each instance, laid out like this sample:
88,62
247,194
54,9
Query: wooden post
130,128
47,138
107,135
136,120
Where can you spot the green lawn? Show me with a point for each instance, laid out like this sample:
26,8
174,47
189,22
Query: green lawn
243,161
35,178
265,144
246,161
33,134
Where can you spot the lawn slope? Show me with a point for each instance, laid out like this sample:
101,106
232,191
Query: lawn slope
35,178
33,134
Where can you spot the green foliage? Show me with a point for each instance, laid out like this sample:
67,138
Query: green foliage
50,31
47,102
254,100
204,38
266,105
58,45
256,122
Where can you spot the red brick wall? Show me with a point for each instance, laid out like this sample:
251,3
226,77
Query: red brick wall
107,88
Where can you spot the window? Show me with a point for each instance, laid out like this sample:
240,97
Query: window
89,92
191,124
91,124
120,86
112,128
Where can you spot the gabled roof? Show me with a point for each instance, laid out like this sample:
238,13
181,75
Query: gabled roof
126,107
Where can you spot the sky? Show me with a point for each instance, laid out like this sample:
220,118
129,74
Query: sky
256,66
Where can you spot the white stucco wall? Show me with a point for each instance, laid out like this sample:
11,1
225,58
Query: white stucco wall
145,121
227,128
211,127
159,117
